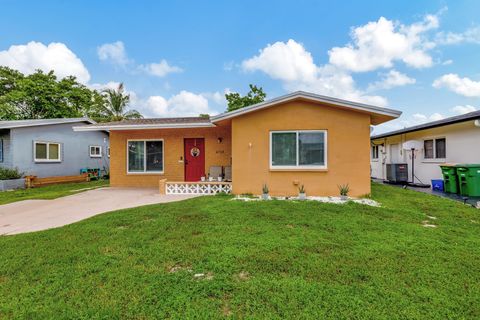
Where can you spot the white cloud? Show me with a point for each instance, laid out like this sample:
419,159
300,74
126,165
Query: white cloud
391,79
471,35
463,86
447,62
160,69
217,97
113,52
103,86
183,104
294,66
35,55
463,109
379,44
284,61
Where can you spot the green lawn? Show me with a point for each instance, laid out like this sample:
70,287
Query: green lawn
50,192
272,259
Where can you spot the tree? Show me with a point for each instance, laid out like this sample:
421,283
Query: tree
236,101
116,103
40,96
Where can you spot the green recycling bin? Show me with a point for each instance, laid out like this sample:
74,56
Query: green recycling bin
469,179
450,180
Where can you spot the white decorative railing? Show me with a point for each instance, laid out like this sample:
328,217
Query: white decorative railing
197,187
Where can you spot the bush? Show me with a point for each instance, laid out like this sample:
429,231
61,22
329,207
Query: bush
8,174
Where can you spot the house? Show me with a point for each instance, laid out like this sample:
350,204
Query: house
296,139
451,140
50,147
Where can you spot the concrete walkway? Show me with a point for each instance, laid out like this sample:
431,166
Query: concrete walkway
35,215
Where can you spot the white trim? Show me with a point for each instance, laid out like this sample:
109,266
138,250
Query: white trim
94,155
11,124
145,126
145,158
299,167
48,143
308,96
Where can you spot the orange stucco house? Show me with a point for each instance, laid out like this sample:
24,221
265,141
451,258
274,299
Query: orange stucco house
296,139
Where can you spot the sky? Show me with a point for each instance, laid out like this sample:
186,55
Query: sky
179,58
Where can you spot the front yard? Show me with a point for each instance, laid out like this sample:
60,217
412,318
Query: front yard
50,192
211,257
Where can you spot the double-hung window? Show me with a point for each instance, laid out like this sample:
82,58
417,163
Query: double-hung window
301,149
435,148
95,151
47,151
374,152
145,156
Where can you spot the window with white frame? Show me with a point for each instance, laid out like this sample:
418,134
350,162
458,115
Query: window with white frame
435,148
375,152
95,151
47,151
145,156
301,149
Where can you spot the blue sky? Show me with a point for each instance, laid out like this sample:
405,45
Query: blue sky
179,58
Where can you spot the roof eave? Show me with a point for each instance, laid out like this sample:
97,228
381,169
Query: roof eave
425,126
309,96
144,126
90,121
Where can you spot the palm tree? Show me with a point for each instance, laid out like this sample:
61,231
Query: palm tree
116,103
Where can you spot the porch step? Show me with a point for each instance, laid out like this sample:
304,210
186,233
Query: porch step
207,187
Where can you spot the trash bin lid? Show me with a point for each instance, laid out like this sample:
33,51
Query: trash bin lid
468,165
448,165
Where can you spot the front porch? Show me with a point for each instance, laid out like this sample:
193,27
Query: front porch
198,187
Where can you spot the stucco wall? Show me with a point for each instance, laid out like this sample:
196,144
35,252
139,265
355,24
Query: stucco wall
462,146
348,150
75,152
216,154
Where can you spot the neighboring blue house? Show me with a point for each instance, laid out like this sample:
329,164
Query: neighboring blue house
50,147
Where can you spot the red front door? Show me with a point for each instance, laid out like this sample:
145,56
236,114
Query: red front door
194,149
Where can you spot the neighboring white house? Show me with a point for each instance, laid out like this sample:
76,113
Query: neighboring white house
451,140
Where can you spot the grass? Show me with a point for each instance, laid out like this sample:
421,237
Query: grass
49,192
275,259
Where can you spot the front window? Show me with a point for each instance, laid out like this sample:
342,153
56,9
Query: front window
374,152
145,156
47,151
435,148
95,151
298,149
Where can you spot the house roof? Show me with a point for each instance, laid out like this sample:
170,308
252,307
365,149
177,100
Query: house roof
378,114
9,124
439,123
149,123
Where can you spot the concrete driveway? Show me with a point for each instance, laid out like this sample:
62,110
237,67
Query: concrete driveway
35,215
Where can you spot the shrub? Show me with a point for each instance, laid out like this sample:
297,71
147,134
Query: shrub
344,189
265,189
301,189
8,174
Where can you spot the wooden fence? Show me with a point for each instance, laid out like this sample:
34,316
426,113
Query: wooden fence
33,181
